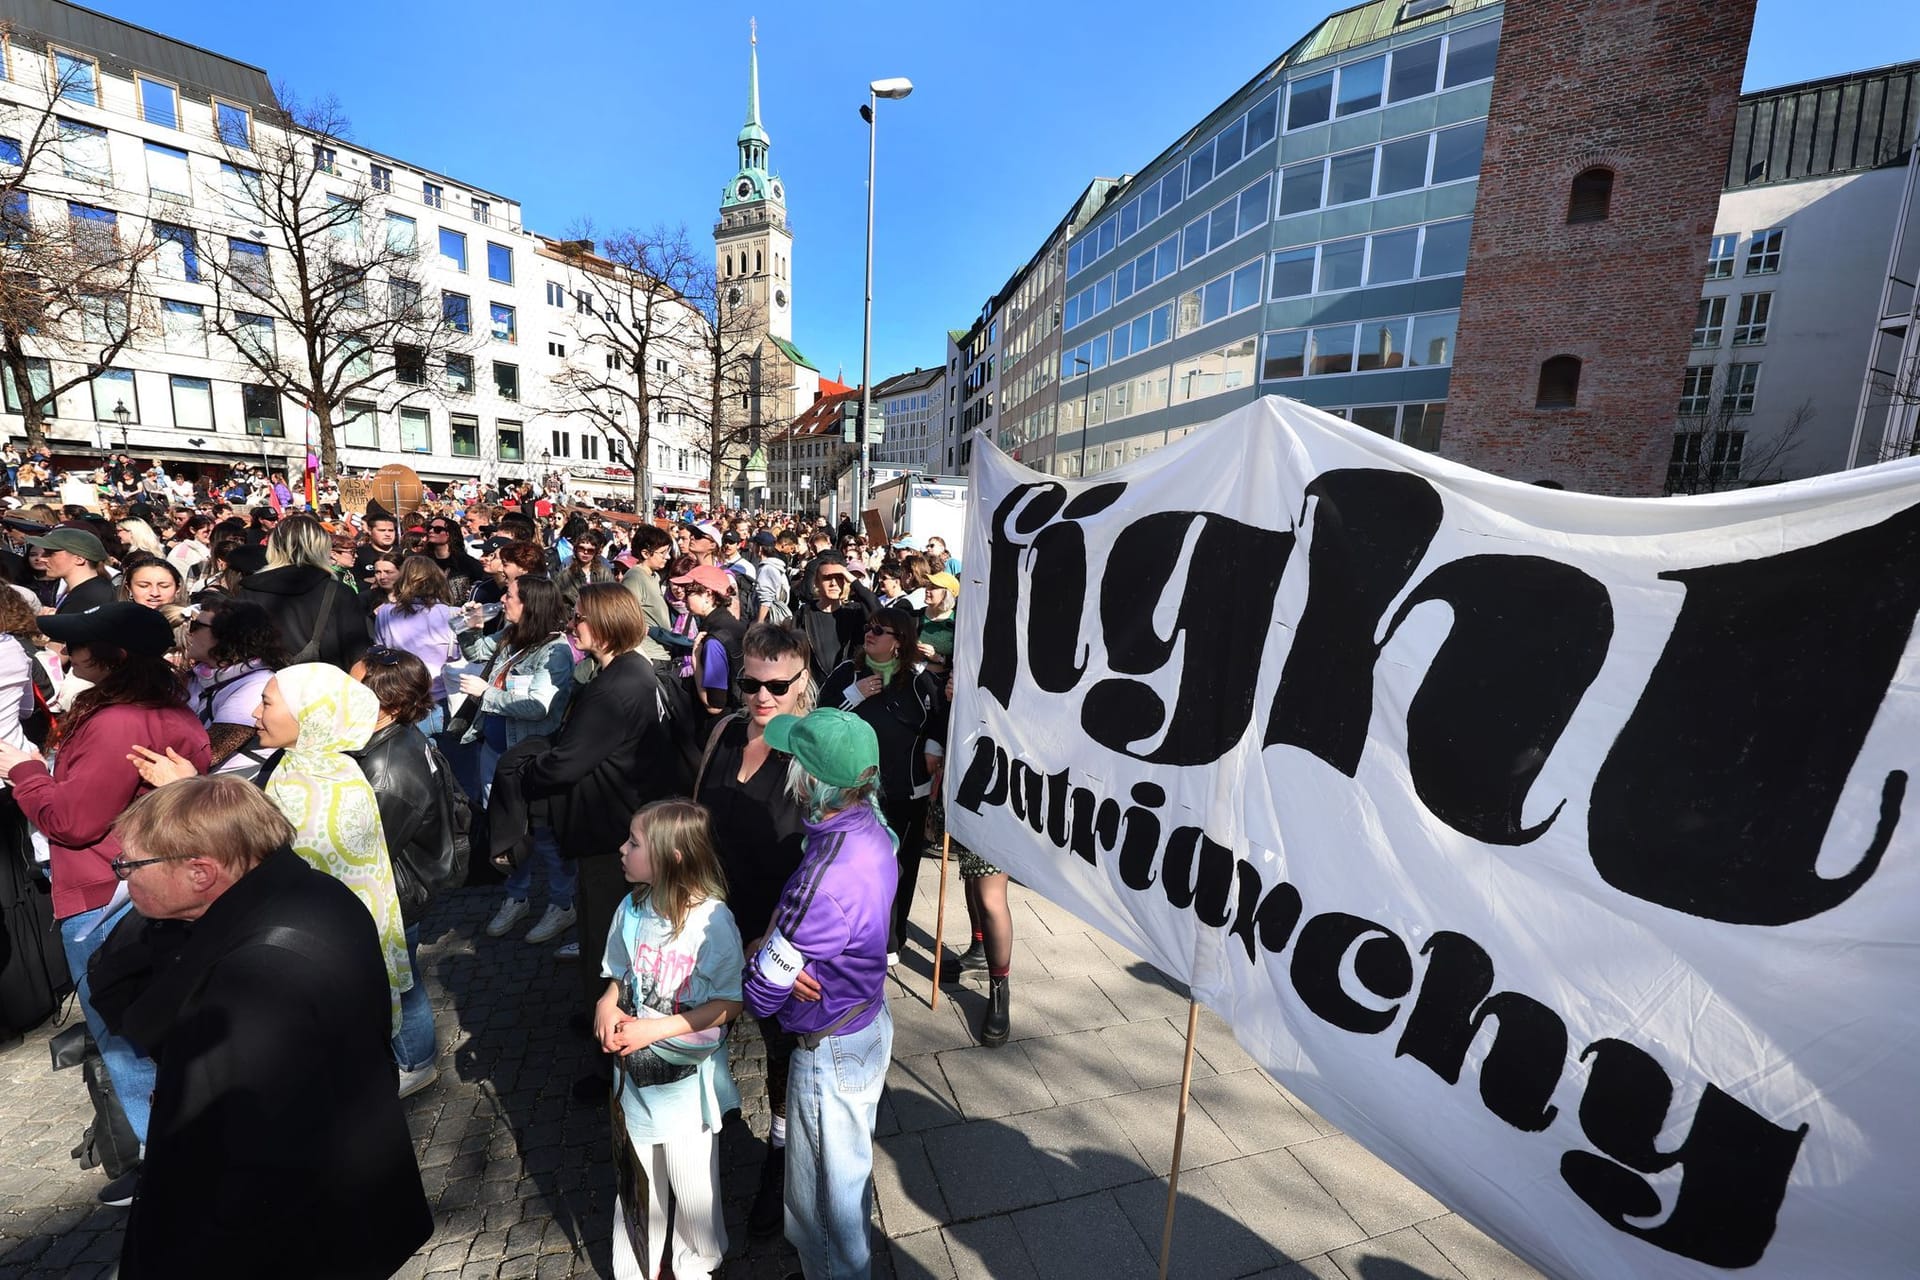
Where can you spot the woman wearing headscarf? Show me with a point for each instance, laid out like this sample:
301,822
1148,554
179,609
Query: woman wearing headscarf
313,715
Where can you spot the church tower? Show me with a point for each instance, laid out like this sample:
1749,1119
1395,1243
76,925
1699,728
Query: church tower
752,245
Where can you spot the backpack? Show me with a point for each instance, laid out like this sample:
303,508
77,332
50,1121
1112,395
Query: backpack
456,825
40,725
780,608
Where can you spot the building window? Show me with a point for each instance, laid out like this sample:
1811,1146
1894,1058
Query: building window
76,78
1696,465
261,408
159,103
10,153
1696,390
1763,254
1709,323
403,299
457,310
184,327
192,403
556,349
562,444
380,177
505,328
499,263
167,171
416,431
1456,152
409,364
1470,54
403,234
589,448
1592,196
233,124
111,389
463,435
1720,257
556,294
482,211
453,250
254,336
323,158
1559,383
506,380
433,195
460,374
506,438
1310,100
583,302
39,383
1742,381
247,263
176,255
1750,329
83,151
360,425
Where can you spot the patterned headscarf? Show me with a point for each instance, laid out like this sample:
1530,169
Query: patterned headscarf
335,816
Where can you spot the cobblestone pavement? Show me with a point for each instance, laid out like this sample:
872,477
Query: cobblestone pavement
1047,1157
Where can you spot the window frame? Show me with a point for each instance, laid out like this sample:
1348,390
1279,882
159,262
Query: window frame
1749,331
55,76
508,251
433,194
173,400
1769,259
245,143
1739,394
118,376
1710,322
141,80
454,424
1721,267
247,420
380,177
403,415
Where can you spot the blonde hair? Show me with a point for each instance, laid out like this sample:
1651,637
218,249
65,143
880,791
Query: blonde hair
300,540
686,868
138,535
221,816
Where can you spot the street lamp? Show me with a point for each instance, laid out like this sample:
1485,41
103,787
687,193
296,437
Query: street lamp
1086,395
122,416
898,87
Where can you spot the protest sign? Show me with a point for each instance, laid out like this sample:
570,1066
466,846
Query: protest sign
1557,847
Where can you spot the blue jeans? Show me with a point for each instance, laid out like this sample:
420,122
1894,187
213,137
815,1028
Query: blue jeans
434,721
415,1047
833,1098
132,1074
562,874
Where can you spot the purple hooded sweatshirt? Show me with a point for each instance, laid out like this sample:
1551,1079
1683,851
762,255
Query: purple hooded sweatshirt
832,921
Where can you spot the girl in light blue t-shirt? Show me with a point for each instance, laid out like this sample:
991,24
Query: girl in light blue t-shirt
673,964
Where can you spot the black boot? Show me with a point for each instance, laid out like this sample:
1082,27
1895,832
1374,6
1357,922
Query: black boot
973,959
768,1214
994,1027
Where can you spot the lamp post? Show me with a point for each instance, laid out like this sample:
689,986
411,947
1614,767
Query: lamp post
898,87
123,416
1086,396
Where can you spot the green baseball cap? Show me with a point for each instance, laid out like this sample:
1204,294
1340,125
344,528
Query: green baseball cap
66,538
834,746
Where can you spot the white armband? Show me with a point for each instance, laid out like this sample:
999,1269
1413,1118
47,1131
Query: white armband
779,962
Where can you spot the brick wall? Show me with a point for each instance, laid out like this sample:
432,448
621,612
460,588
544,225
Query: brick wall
1646,88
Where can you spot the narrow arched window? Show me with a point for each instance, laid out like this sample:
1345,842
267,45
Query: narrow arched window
1592,195
729,264
757,268
1559,383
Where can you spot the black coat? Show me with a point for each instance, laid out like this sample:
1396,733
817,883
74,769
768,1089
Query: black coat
278,1144
293,596
837,635
905,715
613,754
419,843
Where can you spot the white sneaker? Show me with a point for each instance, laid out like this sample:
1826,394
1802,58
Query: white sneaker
568,951
412,1082
510,913
555,922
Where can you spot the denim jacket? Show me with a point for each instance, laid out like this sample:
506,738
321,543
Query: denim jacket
533,700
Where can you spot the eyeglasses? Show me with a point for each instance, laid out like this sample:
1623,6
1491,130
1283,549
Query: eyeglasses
575,621
778,688
875,629
382,655
124,867
439,528
199,625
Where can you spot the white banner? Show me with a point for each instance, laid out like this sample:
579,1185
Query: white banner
1557,847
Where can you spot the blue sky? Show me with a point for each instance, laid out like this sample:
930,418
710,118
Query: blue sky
626,113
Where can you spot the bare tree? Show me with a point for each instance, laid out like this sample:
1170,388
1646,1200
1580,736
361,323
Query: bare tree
728,346
331,304
71,282
633,336
1898,392
1714,448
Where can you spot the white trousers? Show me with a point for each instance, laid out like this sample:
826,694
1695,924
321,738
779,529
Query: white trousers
688,1170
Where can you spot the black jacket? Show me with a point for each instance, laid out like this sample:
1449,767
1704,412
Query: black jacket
834,636
278,1143
905,716
417,827
293,596
613,754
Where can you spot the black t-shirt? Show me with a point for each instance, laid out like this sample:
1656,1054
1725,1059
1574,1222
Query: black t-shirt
757,828
366,554
88,595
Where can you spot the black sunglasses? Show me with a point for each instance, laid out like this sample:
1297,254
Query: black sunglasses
778,688
875,629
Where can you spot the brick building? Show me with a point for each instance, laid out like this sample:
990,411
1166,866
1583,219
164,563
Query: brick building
1598,195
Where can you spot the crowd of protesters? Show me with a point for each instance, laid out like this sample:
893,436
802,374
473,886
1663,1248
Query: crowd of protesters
247,744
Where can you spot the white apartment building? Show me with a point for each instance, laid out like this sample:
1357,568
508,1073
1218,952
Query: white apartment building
912,411
152,140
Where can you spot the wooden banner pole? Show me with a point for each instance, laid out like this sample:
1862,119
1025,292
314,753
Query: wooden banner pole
1179,1135
940,919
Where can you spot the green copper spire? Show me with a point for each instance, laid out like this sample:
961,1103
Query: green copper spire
753,181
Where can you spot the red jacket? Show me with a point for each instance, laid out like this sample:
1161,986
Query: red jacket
76,807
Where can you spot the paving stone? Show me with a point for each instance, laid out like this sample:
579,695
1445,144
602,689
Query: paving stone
1372,1193
1476,1255
1066,1005
919,1095
1152,1052
1068,955
1141,993
1076,1067
921,1256
995,1082
985,1167
1206,1241
1083,1148
1273,1195
988,1249
1214,1041
906,1190
1320,1268
1403,1254
1254,1114
1088,1238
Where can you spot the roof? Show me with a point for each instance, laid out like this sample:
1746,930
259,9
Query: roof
792,352
123,47
1366,23
917,380
1819,128
820,418
831,387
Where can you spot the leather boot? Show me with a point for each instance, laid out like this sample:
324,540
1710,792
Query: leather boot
973,959
998,1020
768,1214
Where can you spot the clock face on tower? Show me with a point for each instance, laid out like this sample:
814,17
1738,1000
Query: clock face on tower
778,194
779,297
745,188
733,295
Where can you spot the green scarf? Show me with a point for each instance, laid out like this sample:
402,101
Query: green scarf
884,670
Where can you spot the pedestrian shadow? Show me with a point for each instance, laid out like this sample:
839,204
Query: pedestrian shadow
505,1146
